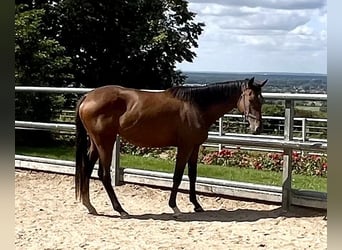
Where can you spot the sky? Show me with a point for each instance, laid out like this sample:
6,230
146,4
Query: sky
260,36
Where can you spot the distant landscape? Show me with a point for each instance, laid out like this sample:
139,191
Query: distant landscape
278,82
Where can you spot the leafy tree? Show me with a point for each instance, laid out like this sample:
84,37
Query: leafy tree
269,109
310,113
273,109
132,43
39,61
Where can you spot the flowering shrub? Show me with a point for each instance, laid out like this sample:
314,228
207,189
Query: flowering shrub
165,153
308,164
128,148
227,158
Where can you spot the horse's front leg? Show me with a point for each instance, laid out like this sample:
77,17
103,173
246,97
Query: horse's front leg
192,165
181,160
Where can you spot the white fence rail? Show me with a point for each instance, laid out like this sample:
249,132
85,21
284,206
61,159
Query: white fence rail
284,194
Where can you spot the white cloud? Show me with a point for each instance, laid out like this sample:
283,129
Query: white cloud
302,31
274,34
272,4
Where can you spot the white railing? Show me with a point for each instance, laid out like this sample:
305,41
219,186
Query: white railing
284,194
303,130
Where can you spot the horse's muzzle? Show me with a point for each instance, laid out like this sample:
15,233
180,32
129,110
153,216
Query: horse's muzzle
257,130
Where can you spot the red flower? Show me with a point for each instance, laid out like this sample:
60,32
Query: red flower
224,152
325,165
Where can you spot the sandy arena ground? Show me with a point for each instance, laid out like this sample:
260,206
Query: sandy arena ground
47,216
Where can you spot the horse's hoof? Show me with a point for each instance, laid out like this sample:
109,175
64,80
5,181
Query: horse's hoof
199,209
176,215
93,212
124,215
176,212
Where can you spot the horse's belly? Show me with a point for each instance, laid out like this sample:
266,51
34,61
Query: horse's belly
150,136
149,140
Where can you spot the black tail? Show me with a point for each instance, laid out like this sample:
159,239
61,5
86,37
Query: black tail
81,153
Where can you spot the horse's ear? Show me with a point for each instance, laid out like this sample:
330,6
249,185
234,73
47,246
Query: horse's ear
263,83
251,82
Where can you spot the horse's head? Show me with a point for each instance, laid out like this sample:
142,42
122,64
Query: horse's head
250,103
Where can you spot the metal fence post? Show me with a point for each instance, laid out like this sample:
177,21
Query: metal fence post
220,131
287,160
115,168
304,129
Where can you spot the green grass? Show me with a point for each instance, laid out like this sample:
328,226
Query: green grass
212,171
309,108
53,152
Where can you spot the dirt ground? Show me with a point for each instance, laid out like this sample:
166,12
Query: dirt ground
47,216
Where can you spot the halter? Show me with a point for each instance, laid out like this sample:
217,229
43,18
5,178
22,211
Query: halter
247,114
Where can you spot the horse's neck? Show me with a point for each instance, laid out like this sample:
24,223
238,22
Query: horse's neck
215,111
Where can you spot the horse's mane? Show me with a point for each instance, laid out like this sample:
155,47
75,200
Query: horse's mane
206,95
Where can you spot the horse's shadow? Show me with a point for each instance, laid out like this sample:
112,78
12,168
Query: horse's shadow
223,215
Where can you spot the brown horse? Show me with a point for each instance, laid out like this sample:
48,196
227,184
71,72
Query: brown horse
178,116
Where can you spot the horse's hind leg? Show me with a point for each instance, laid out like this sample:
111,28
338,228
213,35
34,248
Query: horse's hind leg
92,158
182,157
105,155
192,166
